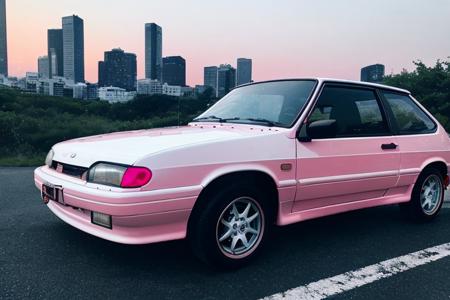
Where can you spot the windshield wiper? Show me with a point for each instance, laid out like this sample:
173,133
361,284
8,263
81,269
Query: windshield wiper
224,120
262,120
221,120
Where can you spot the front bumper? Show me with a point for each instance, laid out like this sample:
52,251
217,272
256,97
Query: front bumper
138,217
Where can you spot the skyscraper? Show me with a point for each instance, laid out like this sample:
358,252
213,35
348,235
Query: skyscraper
153,51
55,53
244,71
174,70
43,67
3,40
373,73
210,77
119,69
73,48
226,80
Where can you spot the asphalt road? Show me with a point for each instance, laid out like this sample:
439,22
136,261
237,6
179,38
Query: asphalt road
43,258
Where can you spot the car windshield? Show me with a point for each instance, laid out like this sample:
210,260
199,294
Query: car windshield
276,103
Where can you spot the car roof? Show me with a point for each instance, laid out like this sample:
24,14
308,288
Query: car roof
335,80
362,83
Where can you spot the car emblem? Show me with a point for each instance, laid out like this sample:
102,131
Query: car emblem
73,155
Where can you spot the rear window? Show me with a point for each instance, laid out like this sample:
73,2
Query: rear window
408,117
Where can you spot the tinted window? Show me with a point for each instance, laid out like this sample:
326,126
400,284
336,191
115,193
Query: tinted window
409,118
279,102
356,111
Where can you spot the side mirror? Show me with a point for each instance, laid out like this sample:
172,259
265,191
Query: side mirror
322,129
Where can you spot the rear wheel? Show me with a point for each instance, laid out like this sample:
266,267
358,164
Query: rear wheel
427,196
230,229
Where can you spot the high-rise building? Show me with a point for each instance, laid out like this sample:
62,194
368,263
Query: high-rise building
31,79
153,51
3,40
372,73
43,67
177,91
119,69
174,70
73,42
244,71
56,86
226,80
91,91
79,90
149,87
55,52
115,94
210,77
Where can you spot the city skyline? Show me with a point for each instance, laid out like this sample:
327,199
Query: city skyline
403,33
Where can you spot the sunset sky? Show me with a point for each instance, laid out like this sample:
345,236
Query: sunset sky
285,38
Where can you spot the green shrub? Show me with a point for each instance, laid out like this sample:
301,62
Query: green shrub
31,124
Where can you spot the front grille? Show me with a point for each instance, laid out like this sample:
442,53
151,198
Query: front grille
70,170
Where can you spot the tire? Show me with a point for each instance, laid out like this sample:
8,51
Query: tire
231,215
427,196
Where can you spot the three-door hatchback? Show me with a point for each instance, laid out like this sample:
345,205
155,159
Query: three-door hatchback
275,152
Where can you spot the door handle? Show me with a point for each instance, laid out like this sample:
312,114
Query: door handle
390,146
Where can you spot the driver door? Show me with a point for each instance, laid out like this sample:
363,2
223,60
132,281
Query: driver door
355,165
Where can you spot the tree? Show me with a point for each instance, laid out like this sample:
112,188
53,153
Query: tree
207,94
429,85
31,124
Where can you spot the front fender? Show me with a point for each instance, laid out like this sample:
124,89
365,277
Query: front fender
224,170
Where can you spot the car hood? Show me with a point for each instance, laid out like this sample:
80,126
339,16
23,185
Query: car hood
128,147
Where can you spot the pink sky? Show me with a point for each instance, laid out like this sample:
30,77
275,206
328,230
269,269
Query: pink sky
286,38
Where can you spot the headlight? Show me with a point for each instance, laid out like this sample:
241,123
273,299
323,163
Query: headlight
108,174
117,175
49,158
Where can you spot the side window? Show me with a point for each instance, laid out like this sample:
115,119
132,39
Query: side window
356,111
408,117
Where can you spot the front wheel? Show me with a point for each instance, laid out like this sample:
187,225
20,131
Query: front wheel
229,231
427,196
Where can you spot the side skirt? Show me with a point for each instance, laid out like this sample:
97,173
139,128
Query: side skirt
298,216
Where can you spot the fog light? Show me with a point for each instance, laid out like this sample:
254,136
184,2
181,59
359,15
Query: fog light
101,219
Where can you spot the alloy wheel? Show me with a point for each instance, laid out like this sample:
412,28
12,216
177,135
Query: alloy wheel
240,227
431,194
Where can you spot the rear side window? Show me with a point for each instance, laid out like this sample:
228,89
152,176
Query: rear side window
356,111
408,117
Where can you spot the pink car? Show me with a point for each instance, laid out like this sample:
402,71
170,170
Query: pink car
275,152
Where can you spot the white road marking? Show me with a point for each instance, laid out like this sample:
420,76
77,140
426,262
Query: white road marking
347,281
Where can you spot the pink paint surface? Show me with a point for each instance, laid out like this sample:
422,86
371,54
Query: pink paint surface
327,176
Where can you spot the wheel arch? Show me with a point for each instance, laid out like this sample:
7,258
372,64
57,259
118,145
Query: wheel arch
263,179
438,164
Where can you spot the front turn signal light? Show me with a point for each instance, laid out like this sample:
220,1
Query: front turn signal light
135,177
